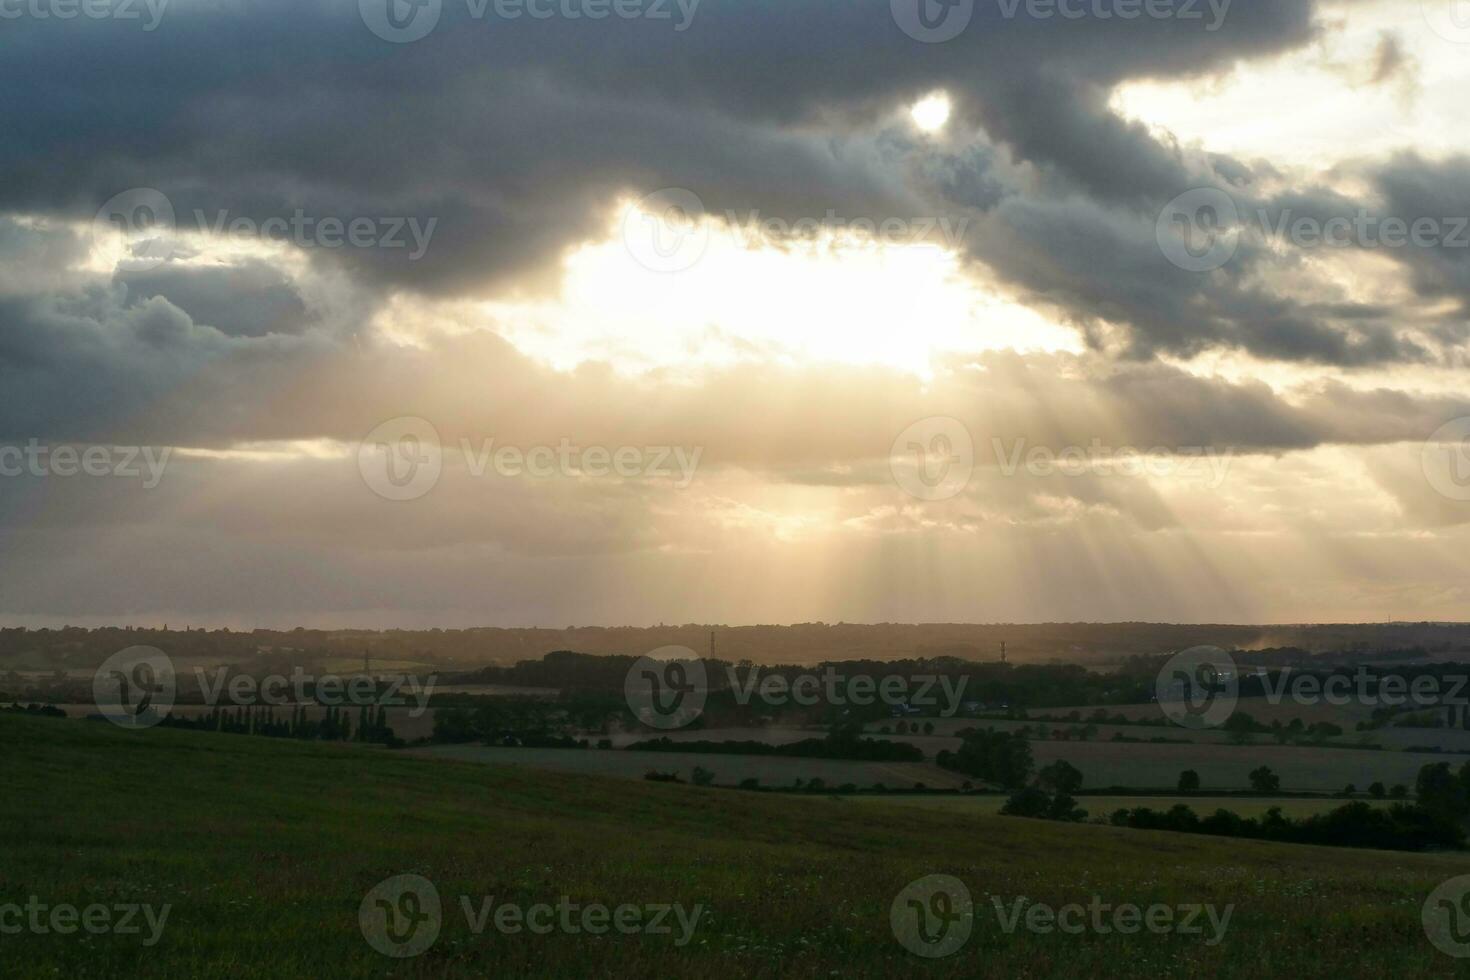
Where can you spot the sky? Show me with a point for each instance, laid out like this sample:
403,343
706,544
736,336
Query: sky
573,312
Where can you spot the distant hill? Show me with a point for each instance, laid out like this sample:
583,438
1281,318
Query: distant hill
1093,644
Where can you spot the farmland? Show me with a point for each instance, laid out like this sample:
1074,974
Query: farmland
729,769
1136,765
265,850
1102,806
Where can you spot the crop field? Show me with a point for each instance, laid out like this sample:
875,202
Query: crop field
728,769
1145,766
1261,709
949,728
265,852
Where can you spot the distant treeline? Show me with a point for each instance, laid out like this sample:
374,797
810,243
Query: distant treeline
862,749
803,643
1398,827
335,725
989,688
43,710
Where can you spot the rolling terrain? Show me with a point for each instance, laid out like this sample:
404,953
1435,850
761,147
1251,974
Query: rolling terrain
266,848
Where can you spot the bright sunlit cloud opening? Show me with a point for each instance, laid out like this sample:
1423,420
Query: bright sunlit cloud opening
704,293
931,112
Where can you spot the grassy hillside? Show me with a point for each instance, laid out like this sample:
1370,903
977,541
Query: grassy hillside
266,848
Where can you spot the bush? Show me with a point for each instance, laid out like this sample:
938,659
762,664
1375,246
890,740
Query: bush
1028,802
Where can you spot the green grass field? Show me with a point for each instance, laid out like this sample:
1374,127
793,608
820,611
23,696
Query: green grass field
266,848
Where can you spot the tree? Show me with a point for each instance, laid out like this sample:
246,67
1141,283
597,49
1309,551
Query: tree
1188,781
1350,790
1263,780
1377,791
702,776
1060,777
1440,792
1003,758
1239,726
1399,792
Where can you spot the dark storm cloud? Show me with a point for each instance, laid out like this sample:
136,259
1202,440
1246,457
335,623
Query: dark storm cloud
517,136
513,133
